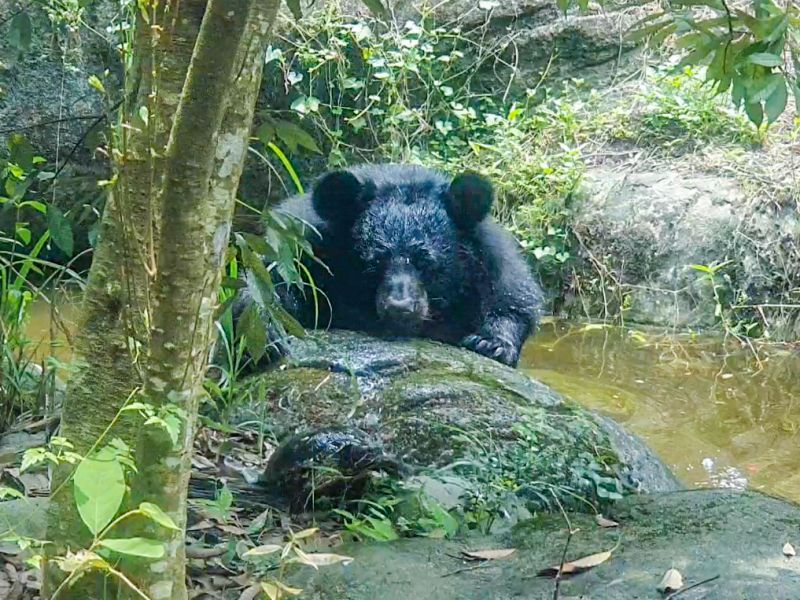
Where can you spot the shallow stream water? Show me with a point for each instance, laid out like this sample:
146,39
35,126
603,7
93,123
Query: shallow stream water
717,414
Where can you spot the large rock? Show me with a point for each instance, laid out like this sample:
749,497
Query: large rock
647,228
736,538
535,36
446,411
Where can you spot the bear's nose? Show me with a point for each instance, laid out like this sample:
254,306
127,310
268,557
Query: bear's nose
400,305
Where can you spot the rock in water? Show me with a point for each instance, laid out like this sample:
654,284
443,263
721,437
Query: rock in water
359,403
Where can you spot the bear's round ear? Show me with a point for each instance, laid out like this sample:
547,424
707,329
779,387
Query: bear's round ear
339,197
469,200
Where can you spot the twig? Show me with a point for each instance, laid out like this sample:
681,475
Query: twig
98,119
557,589
465,569
50,122
689,587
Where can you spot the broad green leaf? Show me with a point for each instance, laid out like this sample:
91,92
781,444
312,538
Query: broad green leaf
755,112
36,205
294,136
765,59
266,132
23,233
254,332
155,513
21,151
60,229
7,492
135,546
290,324
762,89
776,103
99,487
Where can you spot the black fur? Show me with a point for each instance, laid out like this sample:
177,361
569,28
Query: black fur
413,252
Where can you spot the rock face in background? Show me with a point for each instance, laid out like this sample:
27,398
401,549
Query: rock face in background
587,46
648,226
45,95
44,92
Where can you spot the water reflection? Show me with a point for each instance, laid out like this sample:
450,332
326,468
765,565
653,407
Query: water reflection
717,417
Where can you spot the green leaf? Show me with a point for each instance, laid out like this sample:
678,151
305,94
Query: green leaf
765,59
255,334
60,229
290,324
294,6
762,88
266,132
99,487
7,492
135,546
563,5
776,103
294,136
21,32
95,82
155,513
23,233
755,113
21,151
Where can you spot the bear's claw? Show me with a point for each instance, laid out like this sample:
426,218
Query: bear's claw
494,348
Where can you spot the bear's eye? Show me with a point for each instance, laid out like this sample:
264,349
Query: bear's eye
422,257
375,260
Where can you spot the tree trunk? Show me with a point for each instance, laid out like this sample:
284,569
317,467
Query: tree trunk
112,342
205,159
202,165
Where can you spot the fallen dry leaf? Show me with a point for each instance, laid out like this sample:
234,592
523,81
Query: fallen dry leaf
603,522
788,550
251,593
671,582
204,524
320,559
487,554
577,566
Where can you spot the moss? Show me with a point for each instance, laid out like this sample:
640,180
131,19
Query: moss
438,407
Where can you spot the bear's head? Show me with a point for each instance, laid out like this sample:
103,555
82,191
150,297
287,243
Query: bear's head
405,228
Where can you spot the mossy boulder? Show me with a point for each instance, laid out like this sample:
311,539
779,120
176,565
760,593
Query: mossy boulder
728,542
443,411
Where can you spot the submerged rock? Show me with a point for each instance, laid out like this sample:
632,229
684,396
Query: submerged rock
730,540
444,412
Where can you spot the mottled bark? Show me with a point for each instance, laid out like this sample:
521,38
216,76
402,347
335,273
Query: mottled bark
204,162
148,318
112,338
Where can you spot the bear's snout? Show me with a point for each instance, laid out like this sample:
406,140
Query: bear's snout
402,302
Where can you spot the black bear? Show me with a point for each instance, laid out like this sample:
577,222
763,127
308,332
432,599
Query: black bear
412,252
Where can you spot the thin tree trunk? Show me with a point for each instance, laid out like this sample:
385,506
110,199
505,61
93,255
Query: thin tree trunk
173,227
113,339
204,162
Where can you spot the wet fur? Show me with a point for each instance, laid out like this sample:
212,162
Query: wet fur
480,292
